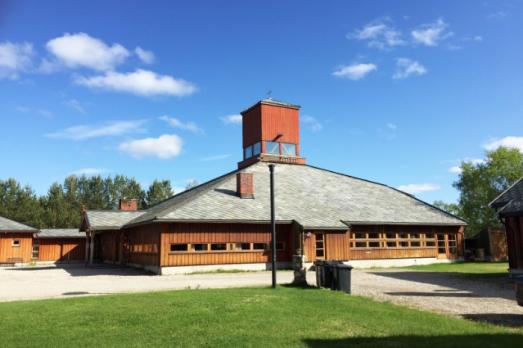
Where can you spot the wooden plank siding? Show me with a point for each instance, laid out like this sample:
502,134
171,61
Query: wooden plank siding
61,249
195,233
336,245
10,253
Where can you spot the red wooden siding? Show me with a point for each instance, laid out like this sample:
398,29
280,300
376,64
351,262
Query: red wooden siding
221,233
61,249
10,253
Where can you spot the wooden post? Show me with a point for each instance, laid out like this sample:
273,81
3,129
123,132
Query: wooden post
91,249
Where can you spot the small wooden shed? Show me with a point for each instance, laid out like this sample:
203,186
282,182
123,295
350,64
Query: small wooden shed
15,242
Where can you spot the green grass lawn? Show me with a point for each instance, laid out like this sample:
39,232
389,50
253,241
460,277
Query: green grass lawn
238,318
467,269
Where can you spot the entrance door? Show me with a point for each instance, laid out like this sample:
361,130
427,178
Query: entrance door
442,246
320,246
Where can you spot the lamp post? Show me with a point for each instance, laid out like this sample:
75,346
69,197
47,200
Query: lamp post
273,225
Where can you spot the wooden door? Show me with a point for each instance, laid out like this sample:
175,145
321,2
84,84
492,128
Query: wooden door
442,246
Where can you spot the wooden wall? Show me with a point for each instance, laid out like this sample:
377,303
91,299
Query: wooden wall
514,226
337,245
222,233
138,245
61,249
22,253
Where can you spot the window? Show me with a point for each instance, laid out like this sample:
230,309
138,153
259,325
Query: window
240,246
453,250
441,243
247,152
179,247
200,247
280,246
288,149
15,242
219,247
272,147
256,149
36,249
260,246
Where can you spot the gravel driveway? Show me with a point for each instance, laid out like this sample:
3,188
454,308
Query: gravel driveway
483,299
57,282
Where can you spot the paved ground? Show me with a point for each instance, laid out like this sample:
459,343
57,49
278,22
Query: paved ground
50,282
488,299
483,299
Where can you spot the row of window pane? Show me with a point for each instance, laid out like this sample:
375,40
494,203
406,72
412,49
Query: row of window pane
202,247
392,240
271,147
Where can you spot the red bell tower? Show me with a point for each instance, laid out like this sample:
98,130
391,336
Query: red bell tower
271,133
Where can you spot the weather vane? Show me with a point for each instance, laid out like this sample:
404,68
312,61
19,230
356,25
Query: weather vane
269,94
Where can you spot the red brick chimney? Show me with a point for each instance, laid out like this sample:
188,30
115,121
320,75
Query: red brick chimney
128,204
245,185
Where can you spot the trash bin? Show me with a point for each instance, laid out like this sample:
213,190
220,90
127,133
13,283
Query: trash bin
320,270
519,290
331,273
343,274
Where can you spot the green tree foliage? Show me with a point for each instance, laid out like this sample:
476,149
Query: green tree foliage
20,203
452,208
158,191
62,205
479,184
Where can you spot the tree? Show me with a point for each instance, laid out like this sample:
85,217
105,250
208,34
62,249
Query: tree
158,191
480,183
452,208
19,203
191,183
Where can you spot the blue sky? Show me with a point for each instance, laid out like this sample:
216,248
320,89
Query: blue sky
397,92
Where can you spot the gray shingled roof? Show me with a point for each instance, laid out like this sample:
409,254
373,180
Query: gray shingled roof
60,233
313,197
110,220
510,201
7,225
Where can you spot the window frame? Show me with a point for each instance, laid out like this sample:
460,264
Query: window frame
283,152
268,143
16,243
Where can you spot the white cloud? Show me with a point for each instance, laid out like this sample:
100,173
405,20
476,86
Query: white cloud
89,171
82,132
510,141
15,58
216,157
82,50
379,34
145,56
497,15
418,188
75,105
311,123
431,34
392,126
232,119
407,67
455,169
140,82
176,123
164,147
355,71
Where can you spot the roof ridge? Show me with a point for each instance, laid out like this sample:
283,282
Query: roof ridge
197,190
505,191
389,187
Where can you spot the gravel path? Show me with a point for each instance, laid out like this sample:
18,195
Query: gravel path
52,282
482,299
